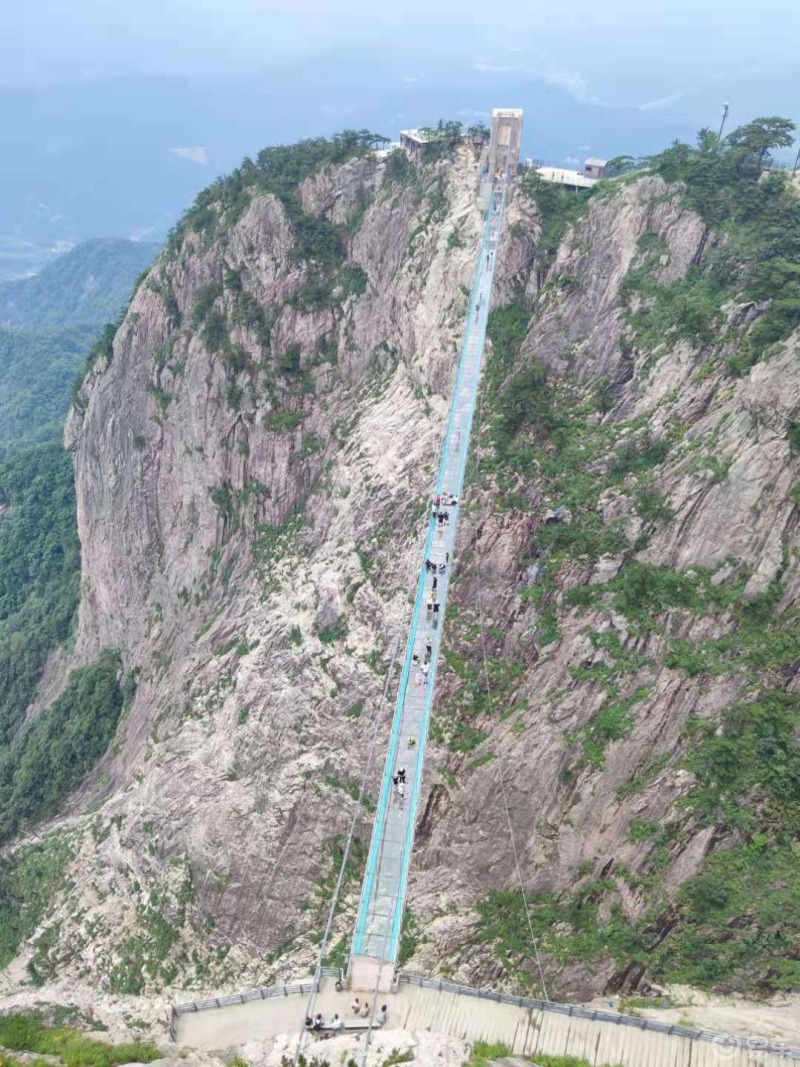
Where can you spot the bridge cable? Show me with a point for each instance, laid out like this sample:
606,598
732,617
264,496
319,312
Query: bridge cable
323,948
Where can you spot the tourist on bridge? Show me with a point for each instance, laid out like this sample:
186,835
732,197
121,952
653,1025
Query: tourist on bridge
442,568
383,1014
401,774
336,1023
355,1007
318,1021
428,648
435,583
365,1010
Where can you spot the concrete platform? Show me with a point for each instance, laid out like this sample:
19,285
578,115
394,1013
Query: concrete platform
525,1031
368,974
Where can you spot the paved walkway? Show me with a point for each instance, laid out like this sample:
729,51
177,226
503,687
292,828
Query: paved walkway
377,932
525,1031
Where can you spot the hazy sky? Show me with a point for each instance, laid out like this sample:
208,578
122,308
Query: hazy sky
115,113
634,52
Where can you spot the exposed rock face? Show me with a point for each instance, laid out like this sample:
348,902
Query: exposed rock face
728,482
259,639
248,519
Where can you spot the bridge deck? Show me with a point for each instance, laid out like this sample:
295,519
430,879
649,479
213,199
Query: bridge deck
377,932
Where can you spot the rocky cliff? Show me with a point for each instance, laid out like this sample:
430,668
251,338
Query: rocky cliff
252,461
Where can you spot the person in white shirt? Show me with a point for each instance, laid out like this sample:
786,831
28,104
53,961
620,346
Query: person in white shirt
382,1014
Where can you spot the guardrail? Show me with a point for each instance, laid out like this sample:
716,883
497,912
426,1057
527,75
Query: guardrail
754,1044
246,997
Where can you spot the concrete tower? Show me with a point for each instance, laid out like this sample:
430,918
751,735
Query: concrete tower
504,143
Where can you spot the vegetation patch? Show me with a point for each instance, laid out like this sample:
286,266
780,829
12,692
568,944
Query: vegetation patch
49,756
559,208
30,1033
29,879
39,573
759,215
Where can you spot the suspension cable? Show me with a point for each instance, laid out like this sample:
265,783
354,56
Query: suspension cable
323,948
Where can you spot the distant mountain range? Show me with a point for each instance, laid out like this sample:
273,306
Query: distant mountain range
85,287
127,157
47,325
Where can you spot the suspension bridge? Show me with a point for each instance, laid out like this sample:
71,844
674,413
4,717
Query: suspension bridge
377,932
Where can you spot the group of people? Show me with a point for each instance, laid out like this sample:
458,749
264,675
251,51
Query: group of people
426,658
358,1009
440,508
364,1009
318,1023
431,568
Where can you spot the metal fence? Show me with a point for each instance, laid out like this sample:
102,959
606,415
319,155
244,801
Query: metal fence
247,997
754,1044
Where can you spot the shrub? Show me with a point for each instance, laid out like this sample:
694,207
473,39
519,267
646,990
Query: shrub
56,749
28,1033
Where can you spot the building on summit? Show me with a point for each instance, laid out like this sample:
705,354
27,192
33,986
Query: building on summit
504,143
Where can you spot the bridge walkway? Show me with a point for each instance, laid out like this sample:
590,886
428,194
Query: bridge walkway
377,933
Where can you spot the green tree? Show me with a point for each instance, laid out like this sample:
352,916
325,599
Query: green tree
761,136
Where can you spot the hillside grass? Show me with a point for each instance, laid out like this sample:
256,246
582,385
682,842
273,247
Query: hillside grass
30,1033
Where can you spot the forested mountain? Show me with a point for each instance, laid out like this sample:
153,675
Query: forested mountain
47,326
86,286
37,369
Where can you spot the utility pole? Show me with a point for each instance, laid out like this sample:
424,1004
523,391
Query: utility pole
722,124
796,166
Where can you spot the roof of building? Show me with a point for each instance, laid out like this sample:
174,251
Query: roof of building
418,134
595,162
564,176
507,112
